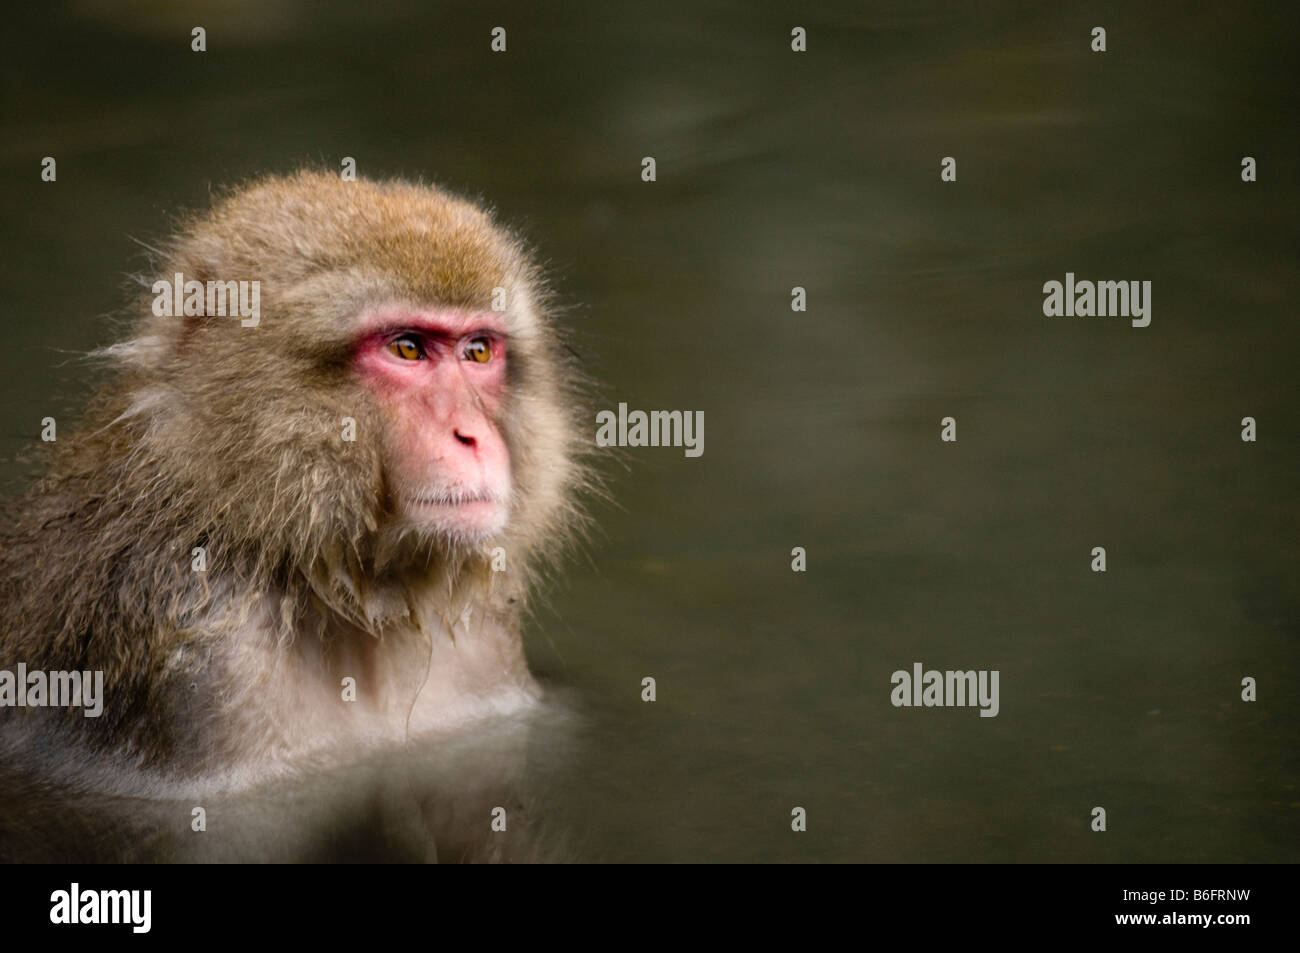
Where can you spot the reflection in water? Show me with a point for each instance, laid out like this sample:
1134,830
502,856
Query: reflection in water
423,803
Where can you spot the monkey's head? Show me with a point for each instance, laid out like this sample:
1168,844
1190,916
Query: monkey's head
398,398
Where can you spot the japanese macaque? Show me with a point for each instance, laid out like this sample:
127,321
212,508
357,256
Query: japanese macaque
290,539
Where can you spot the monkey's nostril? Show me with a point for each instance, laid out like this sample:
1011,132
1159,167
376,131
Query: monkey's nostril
467,441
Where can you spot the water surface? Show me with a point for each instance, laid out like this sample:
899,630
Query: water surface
819,170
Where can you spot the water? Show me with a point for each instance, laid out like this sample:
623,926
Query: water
819,170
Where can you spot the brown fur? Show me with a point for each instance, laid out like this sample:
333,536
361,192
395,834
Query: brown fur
216,435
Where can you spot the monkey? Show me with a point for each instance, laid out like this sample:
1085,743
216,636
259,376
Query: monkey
291,538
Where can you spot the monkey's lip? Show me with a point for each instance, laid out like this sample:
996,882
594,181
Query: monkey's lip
460,514
456,499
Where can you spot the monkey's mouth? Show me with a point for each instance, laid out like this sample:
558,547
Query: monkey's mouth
459,514
457,498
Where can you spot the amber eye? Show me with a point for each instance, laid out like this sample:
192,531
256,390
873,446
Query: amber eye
479,350
408,349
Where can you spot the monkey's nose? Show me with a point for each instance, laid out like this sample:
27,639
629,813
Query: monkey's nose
465,439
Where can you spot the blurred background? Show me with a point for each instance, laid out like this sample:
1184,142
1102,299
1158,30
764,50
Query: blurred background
819,169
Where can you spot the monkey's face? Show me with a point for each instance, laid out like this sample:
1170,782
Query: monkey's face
439,377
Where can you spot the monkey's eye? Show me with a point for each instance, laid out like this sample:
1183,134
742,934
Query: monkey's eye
479,350
407,348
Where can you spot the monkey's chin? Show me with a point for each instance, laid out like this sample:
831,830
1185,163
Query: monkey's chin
461,522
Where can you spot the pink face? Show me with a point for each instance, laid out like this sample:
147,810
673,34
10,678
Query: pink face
440,375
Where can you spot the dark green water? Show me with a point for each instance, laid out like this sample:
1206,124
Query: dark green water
1118,689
